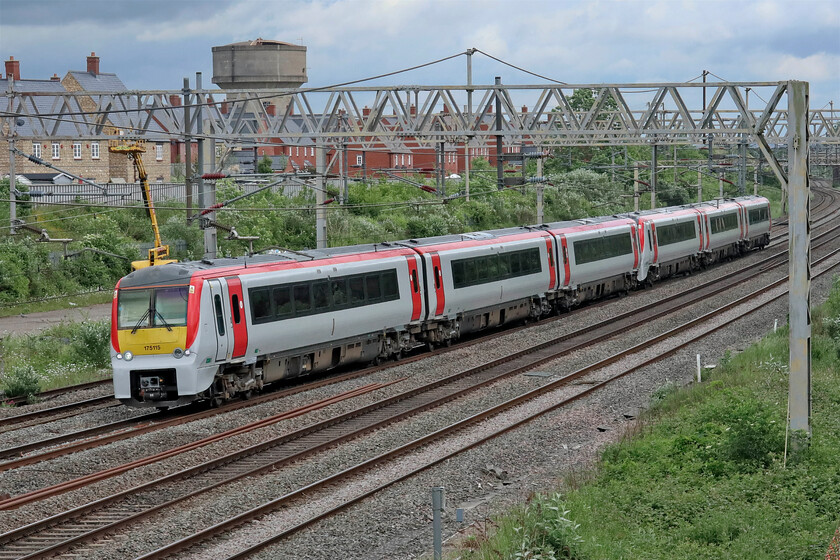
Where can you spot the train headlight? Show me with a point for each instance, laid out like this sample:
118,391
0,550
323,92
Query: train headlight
178,353
119,356
128,356
187,352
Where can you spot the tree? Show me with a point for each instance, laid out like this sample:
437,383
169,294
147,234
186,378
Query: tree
264,165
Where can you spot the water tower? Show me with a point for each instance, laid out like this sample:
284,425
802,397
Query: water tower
260,64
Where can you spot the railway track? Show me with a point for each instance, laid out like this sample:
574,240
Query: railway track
125,429
230,468
163,551
352,476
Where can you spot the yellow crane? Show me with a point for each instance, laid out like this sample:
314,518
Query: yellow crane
133,148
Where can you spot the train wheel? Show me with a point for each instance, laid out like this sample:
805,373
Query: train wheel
216,401
397,356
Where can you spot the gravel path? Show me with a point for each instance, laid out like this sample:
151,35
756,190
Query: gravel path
34,322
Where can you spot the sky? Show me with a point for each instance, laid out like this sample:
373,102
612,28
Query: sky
154,44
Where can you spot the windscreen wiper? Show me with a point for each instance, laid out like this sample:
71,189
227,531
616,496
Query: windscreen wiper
165,324
140,321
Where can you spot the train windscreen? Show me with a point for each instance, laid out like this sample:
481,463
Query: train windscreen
152,307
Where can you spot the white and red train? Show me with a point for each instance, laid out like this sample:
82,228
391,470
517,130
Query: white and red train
216,329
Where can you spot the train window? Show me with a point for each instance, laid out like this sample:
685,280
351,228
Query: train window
339,291
758,215
503,264
390,288
170,306
282,298
321,295
725,222
234,303
133,310
437,278
492,268
357,290
303,301
414,283
220,318
515,264
374,288
260,305
675,233
458,274
600,248
275,303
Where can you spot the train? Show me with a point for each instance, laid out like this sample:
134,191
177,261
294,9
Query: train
223,328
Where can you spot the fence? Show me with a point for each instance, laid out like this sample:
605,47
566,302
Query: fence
125,194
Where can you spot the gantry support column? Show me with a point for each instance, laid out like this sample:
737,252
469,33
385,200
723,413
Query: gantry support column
799,244
320,197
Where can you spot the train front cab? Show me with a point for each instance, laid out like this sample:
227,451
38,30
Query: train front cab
162,353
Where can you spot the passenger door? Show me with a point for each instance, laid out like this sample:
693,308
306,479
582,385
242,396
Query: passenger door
221,318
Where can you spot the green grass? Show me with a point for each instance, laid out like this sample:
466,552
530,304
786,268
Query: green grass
61,302
707,475
66,354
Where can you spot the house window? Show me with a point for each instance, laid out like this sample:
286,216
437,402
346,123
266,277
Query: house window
56,150
297,150
36,149
159,152
402,159
77,150
358,160
94,150
409,159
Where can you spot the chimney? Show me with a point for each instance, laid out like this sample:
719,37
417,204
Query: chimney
175,100
365,111
13,69
224,107
93,64
524,108
271,109
412,110
55,78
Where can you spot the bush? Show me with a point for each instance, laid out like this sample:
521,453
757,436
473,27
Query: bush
21,381
91,343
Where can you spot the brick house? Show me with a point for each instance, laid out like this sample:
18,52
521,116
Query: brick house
65,148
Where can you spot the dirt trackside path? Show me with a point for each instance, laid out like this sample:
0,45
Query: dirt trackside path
34,322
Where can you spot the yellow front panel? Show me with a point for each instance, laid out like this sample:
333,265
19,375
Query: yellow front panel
152,341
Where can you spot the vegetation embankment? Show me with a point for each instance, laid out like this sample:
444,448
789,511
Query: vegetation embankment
708,475
66,354
583,183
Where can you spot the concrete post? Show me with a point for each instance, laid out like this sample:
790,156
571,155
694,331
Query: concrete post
500,170
699,186
636,187
437,509
467,164
653,177
188,153
320,197
12,183
742,167
540,191
345,171
800,258
207,196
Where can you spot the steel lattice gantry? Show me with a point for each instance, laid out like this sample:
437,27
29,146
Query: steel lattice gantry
620,114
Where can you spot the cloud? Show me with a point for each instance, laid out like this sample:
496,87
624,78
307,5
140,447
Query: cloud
574,41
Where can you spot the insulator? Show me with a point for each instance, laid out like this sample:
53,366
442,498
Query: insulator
537,179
